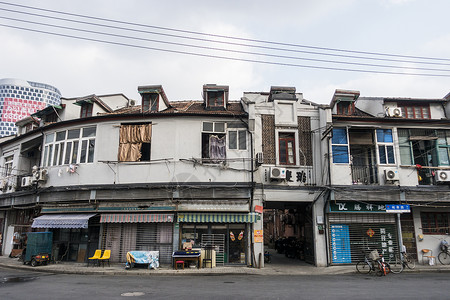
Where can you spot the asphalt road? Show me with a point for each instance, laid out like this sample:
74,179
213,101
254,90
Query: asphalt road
24,285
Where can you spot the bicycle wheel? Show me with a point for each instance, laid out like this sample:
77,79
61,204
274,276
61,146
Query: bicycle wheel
380,268
363,267
444,258
410,262
396,265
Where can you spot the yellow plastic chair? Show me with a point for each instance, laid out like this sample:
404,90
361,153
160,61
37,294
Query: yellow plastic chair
106,256
428,253
96,257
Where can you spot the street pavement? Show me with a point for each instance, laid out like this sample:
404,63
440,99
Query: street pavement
280,265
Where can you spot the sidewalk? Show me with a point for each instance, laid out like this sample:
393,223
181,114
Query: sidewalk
279,266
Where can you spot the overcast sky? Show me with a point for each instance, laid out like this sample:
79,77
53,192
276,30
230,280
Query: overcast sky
80,67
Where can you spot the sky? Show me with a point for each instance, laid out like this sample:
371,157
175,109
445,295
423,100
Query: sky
180,45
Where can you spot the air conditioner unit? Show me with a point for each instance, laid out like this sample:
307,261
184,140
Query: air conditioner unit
442,176
26,181
394,112
42,175
391,174
277,173
259,158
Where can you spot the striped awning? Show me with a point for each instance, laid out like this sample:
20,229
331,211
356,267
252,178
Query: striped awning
218,218
62,221
136,218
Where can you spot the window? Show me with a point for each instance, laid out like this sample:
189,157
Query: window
86,110
345,108
74,146
385,146
434,223
215,98
286,143
214,142
339,145
443,144
237,139
150,102
416,111
135,142
8,165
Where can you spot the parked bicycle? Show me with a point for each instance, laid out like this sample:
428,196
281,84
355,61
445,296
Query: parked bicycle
444,255
400,262
373,263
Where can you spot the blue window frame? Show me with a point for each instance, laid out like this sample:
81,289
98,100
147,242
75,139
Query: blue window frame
385,146
339,146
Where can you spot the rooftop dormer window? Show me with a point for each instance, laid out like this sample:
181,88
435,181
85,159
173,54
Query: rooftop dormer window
216,97
150,102
86,110
345,108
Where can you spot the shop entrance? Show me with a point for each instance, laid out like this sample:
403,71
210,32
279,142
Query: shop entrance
235,237
288,230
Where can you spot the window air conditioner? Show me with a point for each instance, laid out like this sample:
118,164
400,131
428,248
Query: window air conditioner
26,181
394,112
277,173
391,174
442,176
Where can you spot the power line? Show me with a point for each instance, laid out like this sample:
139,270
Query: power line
224,57
238,38
220,49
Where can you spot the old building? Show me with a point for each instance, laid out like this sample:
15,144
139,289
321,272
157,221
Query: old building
105,173
389,175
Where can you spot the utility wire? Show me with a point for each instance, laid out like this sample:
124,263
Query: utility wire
224,57
228,37
235,38
220,49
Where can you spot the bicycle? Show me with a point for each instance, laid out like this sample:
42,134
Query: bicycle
400,262
373,264
444,255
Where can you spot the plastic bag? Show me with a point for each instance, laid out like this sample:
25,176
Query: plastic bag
431,261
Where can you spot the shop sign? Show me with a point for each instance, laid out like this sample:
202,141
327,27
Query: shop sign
340,243
259,209
352,207
258,236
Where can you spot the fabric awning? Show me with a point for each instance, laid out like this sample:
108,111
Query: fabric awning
218,218
136,218
62,221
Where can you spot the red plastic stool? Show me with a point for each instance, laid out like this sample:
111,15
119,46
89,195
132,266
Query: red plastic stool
179,262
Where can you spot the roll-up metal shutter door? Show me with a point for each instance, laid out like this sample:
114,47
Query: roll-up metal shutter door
353,235
124,237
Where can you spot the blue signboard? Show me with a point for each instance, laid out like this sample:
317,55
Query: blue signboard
340,244
398,208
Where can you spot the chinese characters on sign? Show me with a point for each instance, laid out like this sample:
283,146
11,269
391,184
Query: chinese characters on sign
300,176
387,243
258,236
356,207
340,243
17,109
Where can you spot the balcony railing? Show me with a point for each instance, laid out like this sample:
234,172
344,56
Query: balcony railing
364,175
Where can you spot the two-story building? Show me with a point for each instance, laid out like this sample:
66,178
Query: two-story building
100,171
384,152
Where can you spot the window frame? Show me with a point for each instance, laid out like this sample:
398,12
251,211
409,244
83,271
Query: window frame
432,218
150,102
205,136
8,165
385,145
345,108
214,101
86,110
339,145
240,134
68,150
413,111
287,137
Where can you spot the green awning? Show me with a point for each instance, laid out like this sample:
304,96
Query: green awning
218,217
46,111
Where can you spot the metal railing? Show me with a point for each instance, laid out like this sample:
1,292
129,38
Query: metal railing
364,174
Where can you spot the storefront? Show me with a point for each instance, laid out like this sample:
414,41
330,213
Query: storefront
75,236
228,233
356,228
124,232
